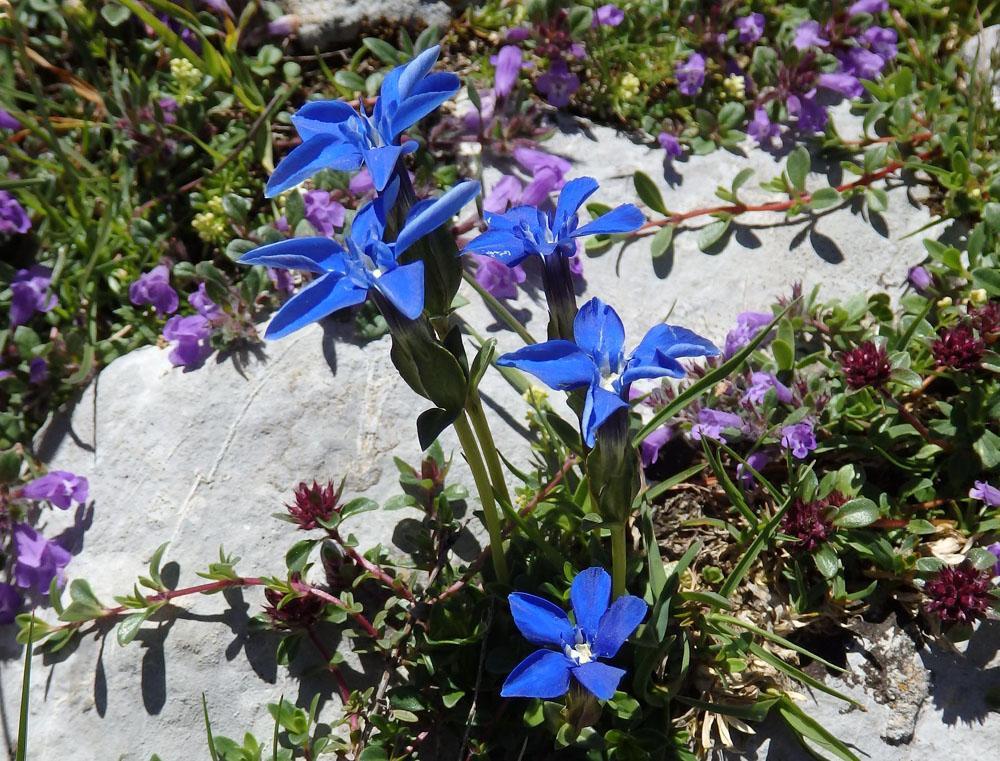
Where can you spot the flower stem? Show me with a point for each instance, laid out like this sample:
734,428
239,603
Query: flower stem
477,415
499,309
618,552
468,441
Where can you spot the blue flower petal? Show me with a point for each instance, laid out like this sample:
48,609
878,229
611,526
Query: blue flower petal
500,245
598,330
543,674
621,219
323,296
540,621
617,625
412,72
589,594
381,163
558,364
404,287
324,117
428,218
434,91
657,353
322,152
599,678
368,224
599,405
313,254
571,198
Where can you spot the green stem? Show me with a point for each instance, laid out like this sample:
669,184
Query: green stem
474,405
468,441
618,553
501,311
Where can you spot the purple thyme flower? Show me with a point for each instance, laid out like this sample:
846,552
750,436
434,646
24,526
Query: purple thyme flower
558,84
504,194
508,66
761,383
799,438
670,144
323,213
843,83
649,450
169,108
608,15
995,549
203,304
881,41
281,279
283,26
10,603
811,116
576,262
154,288
920,278
691,74
192,336
38,560
29,289
862,63
807,35
748,324
13,217
751,28
548,174
518,34
868,6
7,121
761,128
711,424
38,370
361,183
497,278
982,491
757,461
60,487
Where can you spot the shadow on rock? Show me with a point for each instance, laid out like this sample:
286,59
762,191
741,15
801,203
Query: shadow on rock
960,681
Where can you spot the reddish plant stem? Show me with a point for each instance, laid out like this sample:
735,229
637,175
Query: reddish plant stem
338,676
913,420
394,584
359,618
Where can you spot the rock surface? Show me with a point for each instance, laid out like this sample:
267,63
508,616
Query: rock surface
322,22
203,458
983,52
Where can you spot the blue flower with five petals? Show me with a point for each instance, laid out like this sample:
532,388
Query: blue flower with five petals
335,136
525,230
599,632
596,360
346,275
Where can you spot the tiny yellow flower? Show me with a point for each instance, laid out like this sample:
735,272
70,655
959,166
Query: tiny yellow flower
976,192
629,86
536,397
735,85
978,296
945,302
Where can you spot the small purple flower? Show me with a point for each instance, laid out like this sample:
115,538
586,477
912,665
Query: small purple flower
982,491
558,84
504,194
799,438
7,121
862,63
761,383
751,28
649,450
920,278
39,561
60,487
881,41
995,549
807,35
361,183
761,128
203,304
38,371
479,119
13,217
192,336
154,288
811,116
281,224
548,174
691,74
323,213
508,66
868,6
843,83
748,324
518,34
757,461
576,262
283,26
608,15
169,108
670,144
497,278
10,603
29,289
711,423
281,279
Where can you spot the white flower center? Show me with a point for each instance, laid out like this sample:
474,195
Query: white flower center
579,653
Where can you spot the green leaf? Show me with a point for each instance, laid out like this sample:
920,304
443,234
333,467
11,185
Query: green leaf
481,363
798,167
648,193
877,199
80,591
22,720
349,80
357,506
208,729
298,554
740,180
580,19
383,51
710,234
826,561
857,513
154,564
987,278
987,447
130,625
662,241
991,215
824,198
115,14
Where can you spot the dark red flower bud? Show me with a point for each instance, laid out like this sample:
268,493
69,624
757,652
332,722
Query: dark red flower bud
313,503
866,365
958,594
298,612
986,319
808,522
958,348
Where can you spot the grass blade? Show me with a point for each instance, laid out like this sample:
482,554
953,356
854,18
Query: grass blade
22,721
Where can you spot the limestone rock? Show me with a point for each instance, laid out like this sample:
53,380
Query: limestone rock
323,22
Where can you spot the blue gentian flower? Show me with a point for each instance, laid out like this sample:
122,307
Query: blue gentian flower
525,230
599,631
335,136
346,276
596,360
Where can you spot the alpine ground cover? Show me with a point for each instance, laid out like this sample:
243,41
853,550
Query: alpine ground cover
836,459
